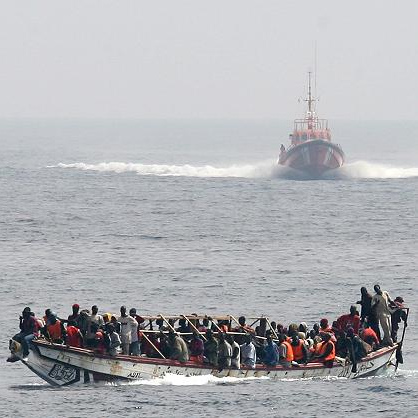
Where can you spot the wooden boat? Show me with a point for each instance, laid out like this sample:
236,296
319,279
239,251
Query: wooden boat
61,365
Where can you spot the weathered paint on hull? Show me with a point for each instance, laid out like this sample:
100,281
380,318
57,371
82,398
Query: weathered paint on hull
60,366
313,157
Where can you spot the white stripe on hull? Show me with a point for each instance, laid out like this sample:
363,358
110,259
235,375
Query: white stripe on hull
60,366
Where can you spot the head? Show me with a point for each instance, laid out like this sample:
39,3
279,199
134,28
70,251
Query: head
280,328
350,332
323,323
205,322
316,328
241,320
132,312
26,312
399,299
123,310
377,289
282,338
159,322
75,308
353,310
312,333
52,318
364,291
326,337
182,322
47,312
303,327
94,310
273,325
106,317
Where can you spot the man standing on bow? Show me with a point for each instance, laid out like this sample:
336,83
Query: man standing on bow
381,308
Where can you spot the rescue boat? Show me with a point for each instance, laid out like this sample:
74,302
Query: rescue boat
311,150
62,365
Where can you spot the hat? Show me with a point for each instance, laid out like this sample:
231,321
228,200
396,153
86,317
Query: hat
76,305
399,299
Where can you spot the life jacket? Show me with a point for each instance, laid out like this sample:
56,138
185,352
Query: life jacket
54,330
289,351
318,348
73,336
297,351
331,355
101,346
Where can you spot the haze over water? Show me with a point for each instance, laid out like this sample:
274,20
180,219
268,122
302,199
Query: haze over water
195,216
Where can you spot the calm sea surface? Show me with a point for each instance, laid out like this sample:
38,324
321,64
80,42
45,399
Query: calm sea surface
194,216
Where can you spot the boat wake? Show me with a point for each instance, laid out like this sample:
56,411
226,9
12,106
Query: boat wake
179,380
263,169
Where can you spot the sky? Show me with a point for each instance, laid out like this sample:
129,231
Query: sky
213,59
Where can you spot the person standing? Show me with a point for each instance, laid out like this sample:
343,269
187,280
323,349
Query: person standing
398,315
381,307
271,352
127,323
224,353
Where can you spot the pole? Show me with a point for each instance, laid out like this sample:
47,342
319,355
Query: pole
399,350
153,346
191,323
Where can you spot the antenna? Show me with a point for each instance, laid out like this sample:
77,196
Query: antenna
315,62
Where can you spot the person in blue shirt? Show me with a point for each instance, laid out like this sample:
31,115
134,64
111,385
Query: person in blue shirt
271,352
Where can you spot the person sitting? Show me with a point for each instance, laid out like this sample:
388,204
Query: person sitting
300,352
224,353
302,330
248,353
74,337
271,352
55,330
327,351
285,351
184,327
243,327
324,326
369,336
351,320
179,350
360,348
211,349
98,343
28,330
94,318
75,315
113,340
236,352
196,348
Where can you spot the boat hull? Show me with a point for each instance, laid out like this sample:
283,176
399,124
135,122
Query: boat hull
313,157
60,366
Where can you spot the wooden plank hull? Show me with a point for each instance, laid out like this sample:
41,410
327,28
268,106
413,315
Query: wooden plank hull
60,366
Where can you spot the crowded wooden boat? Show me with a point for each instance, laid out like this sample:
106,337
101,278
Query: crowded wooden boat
91,347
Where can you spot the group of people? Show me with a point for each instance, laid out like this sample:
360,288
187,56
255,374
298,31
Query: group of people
217,342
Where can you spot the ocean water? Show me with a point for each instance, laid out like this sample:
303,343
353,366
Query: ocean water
195,216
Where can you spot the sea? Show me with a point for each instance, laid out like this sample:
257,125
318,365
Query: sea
195,216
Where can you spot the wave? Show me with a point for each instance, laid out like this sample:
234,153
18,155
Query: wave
260,170
179,380
263,169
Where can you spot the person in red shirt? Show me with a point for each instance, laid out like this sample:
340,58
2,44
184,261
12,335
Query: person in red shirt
351,320
369,336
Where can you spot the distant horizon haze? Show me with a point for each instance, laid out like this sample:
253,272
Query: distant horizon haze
193,60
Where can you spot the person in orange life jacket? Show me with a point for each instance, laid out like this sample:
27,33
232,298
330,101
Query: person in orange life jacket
28,330
55,330
300,352
285,351
98,343
368,335
46,316
351,320
74,337
327,351
196,348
